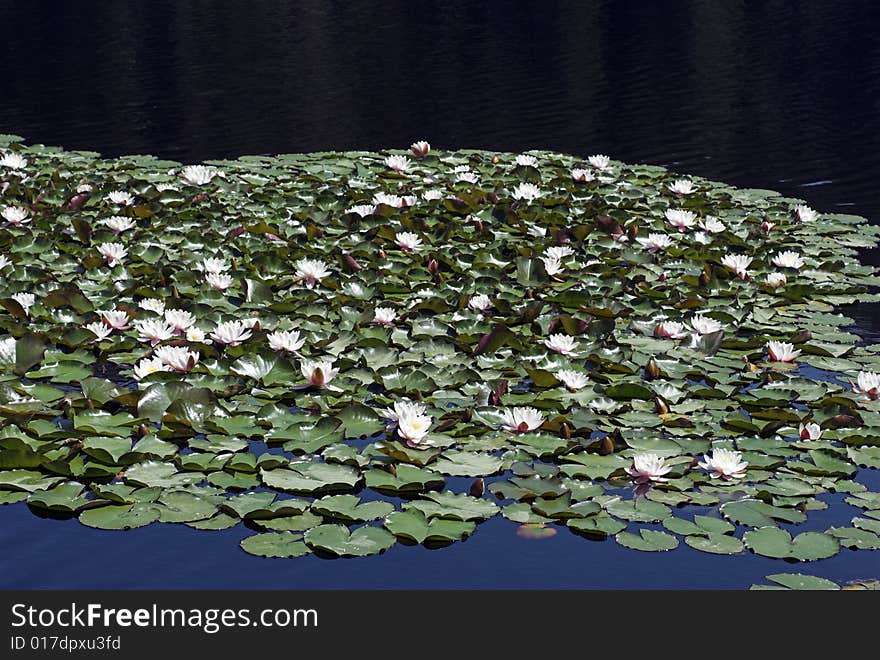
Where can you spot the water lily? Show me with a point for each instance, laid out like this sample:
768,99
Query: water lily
116,319
318,373
362,210
467,177
788,259
118,224
712,225
197,175
84,188
179,358
738,263
776,280
4,261
397,163
670,330
420,149
724,464
384,316
655,242
803,213
432,195
149,366
219,281
15,215
552,265
395,201
153,330
231,333
525,160
704,326
647,468
768,226
599,161
285,340
403,408
809,431
680,219
196,335
413,428
215,265
311,271
479,302
573,380
527,192
100,329
152,305
867,382
562,344
179,319
26,300
780,351
13,161
113,253
559,252
408,241
521,420
682,187
121,198
581,176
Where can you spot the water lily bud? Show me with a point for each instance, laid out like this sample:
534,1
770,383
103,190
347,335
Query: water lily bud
201,197
652,369
704,279
607,446
632,232
495,160
564,431
433,267
477,488
76,202
660,406
492,198
350,262
382,254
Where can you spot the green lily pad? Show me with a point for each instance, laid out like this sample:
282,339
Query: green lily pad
337,540
275,544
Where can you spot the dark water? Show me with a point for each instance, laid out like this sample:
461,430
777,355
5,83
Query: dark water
771,94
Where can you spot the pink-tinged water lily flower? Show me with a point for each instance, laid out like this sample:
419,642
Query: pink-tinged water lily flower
179,358
670,330
116,319
318,373
768,226
219,281
413,428
647,468
26,300
776,280
15,215
788,259
153,330
215,265
362,210
803,213
197,175
179,319
384,316
231,333
4,261
397,163
285,340
704,325
780,351
809,431
13,161
552,265
562,344
654,242
99,329
420,149
738,263
113,253
121,198
682,187
599,161
559,252
479,302
712,225
149,366
573,380
118,224
527,192
867,382
196,335
311,271
521,420
680,219
526,160
152,305
408,241
724,464
581,176
432,195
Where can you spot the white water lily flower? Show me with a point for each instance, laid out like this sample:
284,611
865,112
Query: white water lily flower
152,305
219,281
704,325
479,302
559,252
113,253
215,265
527,192
153,330
803,213
397,163
408,241
100,329
599,161
573,380
197,175
552,266
84,188
432,195
776,280
231,333
149,366
712,225
196,335
702,237
420,149
525,160
682,187
581,176
118,223
738,263
179,358
116,319
362,210
13,161
384,316
318,373
788,259
395,201
15,215
809,431
285,340
724,464
4,261
655,242
179,319
647,468
467,177
403,408
164,187
781,351
413,428
867,382
26,300
311,271
121,198
670,330
680,219
521,420
562,344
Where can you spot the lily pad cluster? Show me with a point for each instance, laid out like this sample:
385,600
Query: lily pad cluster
344,351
